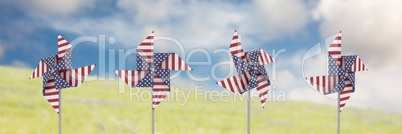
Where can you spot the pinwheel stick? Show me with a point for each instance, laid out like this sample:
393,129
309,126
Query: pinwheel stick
339,113
59,111
248,112
153,121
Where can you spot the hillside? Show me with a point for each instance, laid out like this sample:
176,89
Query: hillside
98,107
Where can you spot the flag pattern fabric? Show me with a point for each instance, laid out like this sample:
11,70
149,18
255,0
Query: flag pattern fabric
341,73
251,70
57,73
335,48
153,70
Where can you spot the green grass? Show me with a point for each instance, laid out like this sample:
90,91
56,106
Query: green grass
98,107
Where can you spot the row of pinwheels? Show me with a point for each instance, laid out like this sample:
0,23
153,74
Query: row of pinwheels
153,70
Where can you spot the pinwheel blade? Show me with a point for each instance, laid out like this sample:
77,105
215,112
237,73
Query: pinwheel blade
50,62
146,49
142,64
59,82
264,58
241,65
358,65
164,74
131,77
46,77
236,84
173,62
345,94
348,61
65,62
335,49
159,91
235,46
262,88
63,47
147,81
252,56
39,70
334,69
323,84
51,94
75,77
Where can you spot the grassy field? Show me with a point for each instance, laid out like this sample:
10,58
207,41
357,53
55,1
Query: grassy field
97,107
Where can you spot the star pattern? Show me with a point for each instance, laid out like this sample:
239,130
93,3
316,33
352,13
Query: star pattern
334,69
241,65
147,81
65,62
159,58
164,74
59,82
142,64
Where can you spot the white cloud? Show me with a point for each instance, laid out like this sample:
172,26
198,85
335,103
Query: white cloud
276,18
54,7
371,28
196,24
150,11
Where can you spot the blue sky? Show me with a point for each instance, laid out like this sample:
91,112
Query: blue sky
30,28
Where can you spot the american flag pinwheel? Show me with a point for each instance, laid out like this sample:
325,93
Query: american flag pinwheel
250,69
153,70
57,73
341,74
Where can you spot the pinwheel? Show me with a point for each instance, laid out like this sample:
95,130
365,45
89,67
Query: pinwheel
341,74
251,71
153,70
57,74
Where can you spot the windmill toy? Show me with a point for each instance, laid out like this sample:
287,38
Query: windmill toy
341,75
153,70
58,74
250,67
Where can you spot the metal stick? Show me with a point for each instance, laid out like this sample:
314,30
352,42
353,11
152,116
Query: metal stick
248,112
153,119
59,111
339,113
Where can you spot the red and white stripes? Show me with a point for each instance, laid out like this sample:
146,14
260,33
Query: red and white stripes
358,65
76,77
262,89
236,84
174,62
159,91
335,49
39,70
146,49
51,94
323,84
235,46
131,77
63,47
345,94
264,58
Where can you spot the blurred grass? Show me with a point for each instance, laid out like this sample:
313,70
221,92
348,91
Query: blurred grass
98,107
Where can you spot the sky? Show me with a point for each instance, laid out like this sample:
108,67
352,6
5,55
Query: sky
107,32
